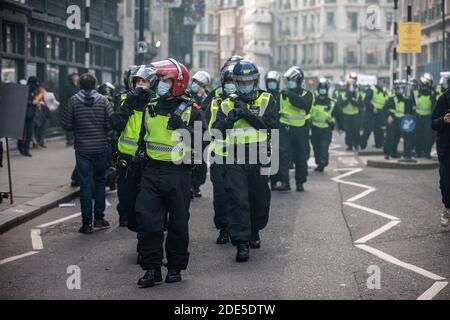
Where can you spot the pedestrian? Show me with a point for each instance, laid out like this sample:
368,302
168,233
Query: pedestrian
374,118
350,106
295,115
166,183
32,104
41,117
441,124
424,101
245,120
323,119
88,116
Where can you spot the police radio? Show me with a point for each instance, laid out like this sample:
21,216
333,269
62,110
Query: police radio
178,112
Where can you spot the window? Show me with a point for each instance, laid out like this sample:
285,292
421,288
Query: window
371,56
9,71
329,53
351,55
330,20
352,21
13,38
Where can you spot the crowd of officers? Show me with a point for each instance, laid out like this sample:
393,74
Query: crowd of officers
155,188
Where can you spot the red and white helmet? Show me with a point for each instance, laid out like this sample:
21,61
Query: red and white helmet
172,69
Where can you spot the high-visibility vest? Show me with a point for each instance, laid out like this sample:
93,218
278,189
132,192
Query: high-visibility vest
350,109
128,140
293,116
164,144
378,99
423,105
440,91
399,110
123,98
217,145
242,132
321,114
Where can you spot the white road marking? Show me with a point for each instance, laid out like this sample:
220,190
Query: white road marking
377,232
51,223
393,260
349,161
362,195
373,211
11,259
36,239
433,291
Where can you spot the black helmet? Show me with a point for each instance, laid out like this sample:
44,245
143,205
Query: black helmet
323,87
107,90
246,71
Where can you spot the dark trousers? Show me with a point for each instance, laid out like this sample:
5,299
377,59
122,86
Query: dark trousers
92,167
249,198
128,183
39,133
352,130
294,144
373,122
444,172
424,135
321,140
164,189
220,196
394,133
24,144
199,174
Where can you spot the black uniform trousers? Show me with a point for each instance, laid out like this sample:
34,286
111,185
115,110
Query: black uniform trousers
165,188
351,125
373,122
394,133
424,135
220,196
199,174
321,140
294,144
249,197
444,172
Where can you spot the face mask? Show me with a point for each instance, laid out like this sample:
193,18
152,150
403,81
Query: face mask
272,86
291,85
323,92
194,87
163,88
245,89
229,88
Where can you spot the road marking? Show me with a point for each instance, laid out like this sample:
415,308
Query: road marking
36,239
373,211
433,291
11,259
393,260
51,223
349,161
377,232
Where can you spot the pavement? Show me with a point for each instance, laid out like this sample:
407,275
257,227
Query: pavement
357,233
39,183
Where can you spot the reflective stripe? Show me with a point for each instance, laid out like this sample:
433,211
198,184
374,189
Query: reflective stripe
226,108
293,118
166,149
127,141
264,103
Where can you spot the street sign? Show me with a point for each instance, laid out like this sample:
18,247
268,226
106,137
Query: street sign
408,123
410,37
142,47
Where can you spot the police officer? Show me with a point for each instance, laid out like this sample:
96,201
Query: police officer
295,108
199,90
323,117
245,119
425,101
443,84
396,108
166,179
218,154
441,124
350,105
374,119
127,121
273,82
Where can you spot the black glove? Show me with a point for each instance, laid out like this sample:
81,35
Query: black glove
175,123
235,115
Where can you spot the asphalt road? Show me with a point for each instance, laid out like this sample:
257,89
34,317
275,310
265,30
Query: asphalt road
308,249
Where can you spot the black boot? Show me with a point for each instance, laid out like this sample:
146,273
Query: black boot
255,243
224,237
284,187
150,278
173,276
243,252
300,187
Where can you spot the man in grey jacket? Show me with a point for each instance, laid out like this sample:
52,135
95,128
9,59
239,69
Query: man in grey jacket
87,115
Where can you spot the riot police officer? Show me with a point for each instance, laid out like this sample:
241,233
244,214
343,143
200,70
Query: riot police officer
425,101
323,118
295,108
350,105
166,179
245,119
443,84
273,83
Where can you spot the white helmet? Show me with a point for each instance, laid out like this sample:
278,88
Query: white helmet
429,77
273,75
203,78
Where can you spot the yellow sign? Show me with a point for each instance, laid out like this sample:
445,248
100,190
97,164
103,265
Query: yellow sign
410,37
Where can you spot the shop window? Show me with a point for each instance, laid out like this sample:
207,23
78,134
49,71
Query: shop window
10,71
13,38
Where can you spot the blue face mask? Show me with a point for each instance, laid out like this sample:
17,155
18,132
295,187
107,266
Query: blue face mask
292,85
245,89
229,88
163,88
272,86
323,92
194,87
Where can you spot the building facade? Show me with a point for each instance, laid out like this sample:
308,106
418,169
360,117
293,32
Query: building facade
331,38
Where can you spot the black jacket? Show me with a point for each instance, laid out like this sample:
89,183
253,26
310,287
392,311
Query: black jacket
443,129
